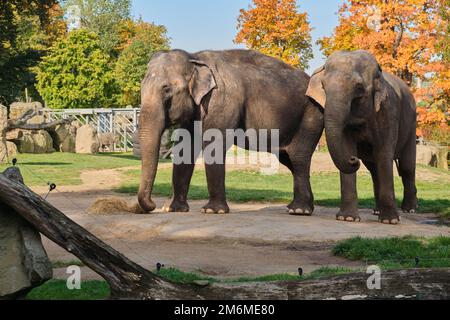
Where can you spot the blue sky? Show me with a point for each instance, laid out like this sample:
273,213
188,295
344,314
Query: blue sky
211,24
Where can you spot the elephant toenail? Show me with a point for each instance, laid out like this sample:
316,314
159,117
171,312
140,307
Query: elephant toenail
221,212
299,211
349,219
209,211
203,210
386,222
358,220
341,218
394,221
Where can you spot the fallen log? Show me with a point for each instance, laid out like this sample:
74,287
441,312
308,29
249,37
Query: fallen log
129,280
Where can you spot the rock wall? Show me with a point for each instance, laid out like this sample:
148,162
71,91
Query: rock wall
18,109
3,125
36,142
24,264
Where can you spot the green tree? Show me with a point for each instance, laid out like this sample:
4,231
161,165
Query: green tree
76,73
27,29
130,70
139,40
102,17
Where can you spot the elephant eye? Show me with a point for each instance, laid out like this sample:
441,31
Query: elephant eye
360,91
166,89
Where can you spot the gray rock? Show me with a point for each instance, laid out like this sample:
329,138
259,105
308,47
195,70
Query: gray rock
87,140
18,109
38,141
24,264
64,138
12,149
432,155
3,125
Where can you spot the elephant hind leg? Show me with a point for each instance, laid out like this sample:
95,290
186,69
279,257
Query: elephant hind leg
298,206
299,153
407,171
373,172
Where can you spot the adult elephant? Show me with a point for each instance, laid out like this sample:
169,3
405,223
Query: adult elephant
233,89
369,115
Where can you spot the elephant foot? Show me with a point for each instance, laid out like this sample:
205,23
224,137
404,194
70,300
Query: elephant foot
389,218
176,206
217,208
298,209
409,208
348,216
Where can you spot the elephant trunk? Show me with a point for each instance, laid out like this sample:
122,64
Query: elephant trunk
342,147
151,127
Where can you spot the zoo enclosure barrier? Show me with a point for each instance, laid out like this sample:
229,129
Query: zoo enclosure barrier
119,124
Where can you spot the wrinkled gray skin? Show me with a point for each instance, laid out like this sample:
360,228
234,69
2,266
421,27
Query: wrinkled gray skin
226,90
369,115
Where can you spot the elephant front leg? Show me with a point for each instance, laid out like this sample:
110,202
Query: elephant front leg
181,179
183,169
349,199
388,208
215,176
214,153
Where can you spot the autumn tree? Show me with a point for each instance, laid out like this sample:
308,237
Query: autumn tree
278,29
408,38
138,41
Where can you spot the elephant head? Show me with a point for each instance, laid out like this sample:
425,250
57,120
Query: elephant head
351,89
173,89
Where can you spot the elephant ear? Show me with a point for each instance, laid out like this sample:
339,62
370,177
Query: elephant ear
381,92
315,89
202,81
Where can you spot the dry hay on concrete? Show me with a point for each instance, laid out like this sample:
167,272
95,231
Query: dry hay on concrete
113,205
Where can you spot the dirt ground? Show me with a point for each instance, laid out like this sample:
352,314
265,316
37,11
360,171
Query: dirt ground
255,239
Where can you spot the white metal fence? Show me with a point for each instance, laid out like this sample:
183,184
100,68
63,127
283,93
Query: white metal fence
119,123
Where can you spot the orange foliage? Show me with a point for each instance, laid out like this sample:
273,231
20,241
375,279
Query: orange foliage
130,31
407,38
57,26
276,28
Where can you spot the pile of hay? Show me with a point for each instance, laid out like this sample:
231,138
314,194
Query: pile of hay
113,206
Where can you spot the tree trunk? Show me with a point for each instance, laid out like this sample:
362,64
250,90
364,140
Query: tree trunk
128,280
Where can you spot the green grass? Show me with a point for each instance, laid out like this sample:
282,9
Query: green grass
244,186
57,290
98,290
397,252
65,168
388,253
65,264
